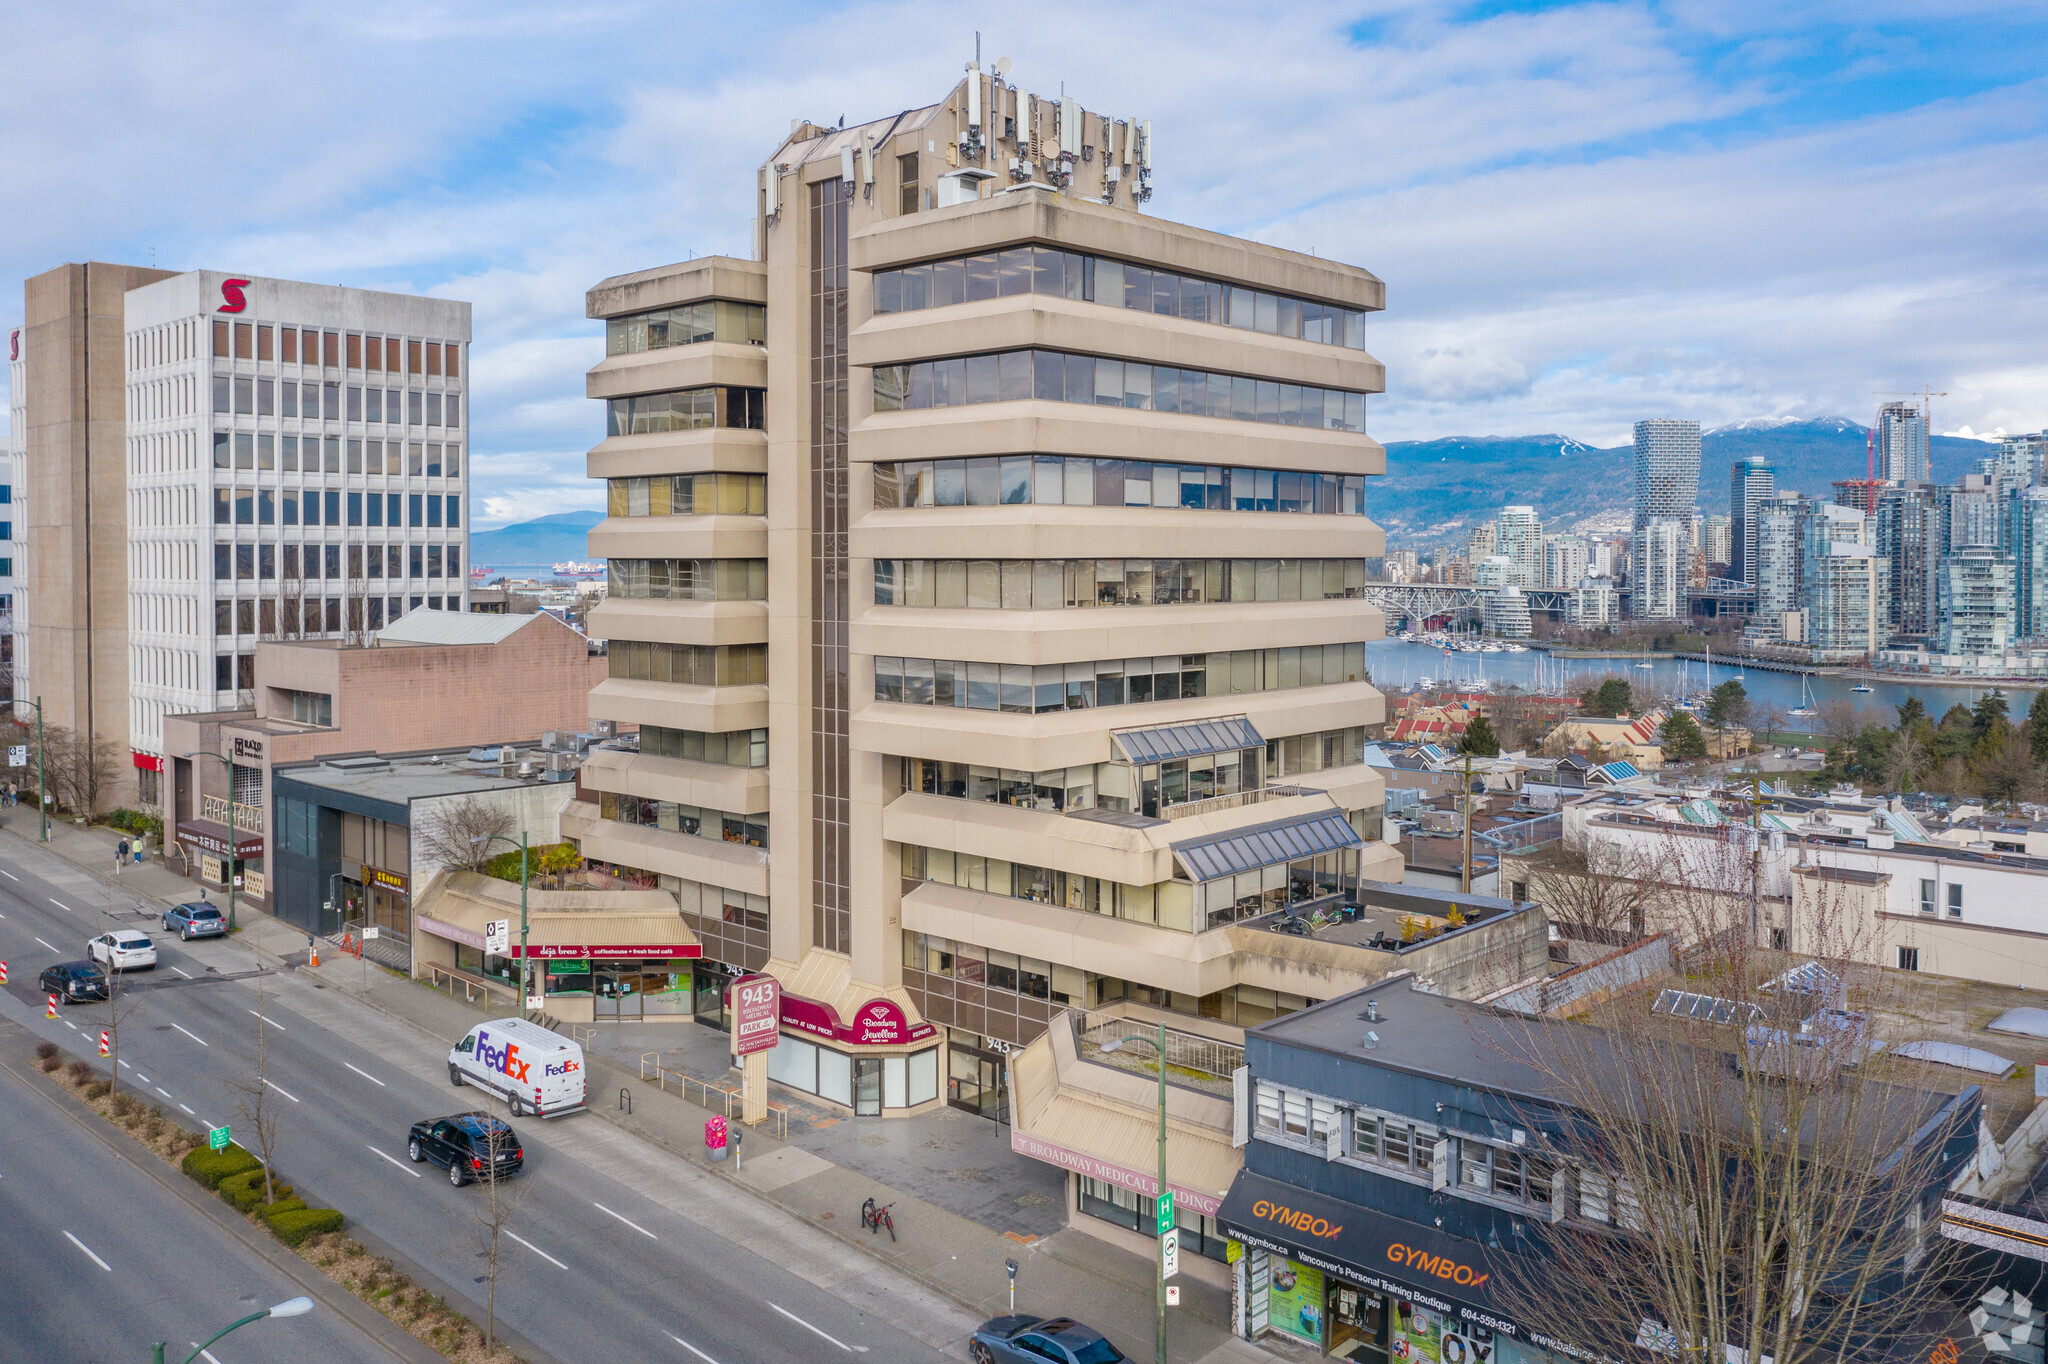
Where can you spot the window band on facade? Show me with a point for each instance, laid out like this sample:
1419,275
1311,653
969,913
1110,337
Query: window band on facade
1026,689
1101,381
1057,584
1079,481
1100,279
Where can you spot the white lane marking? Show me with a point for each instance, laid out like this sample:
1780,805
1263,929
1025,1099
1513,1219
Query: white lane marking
60,904
69,1024
186,1107
88,1251
399,1163
167,1094
691,1348
366,1075
10,875
278,1026
51,946
140,1076
536,1250
186,974
814,1330
627,1220
207,1355
193,1035
280,1089
126,1064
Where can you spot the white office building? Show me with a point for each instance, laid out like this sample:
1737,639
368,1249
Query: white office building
1657,587
1902,454
297,459
1565,561
1518,534
1667,485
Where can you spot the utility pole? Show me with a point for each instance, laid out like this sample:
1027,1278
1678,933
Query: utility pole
1465,871
1756,856
1159,1334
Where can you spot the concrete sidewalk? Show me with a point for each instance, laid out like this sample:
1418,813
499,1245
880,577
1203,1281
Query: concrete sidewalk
962,1202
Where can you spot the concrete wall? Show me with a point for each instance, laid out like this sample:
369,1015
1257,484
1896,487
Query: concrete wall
74,556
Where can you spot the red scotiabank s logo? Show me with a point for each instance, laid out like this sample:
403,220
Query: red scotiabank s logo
231,290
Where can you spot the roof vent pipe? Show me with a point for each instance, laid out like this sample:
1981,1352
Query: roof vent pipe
1372,1011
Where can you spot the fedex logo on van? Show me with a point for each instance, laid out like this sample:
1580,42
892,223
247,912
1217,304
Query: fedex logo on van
504,1060
565,1068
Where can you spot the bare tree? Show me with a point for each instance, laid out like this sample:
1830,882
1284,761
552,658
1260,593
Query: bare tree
78,771
118,1007
1906,760
500,1202
256,1110
1753,1176
460,833
1603,886
2009,773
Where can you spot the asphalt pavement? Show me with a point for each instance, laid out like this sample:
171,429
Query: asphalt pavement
613,1248
100,1260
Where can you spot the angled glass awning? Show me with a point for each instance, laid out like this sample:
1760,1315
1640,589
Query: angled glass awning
1186,741
1265,845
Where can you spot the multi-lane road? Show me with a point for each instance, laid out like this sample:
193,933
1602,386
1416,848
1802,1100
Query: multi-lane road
614,1249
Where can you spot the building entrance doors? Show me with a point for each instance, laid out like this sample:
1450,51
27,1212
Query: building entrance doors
867,1086
618,994
975,1081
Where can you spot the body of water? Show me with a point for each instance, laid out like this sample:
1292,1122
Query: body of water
543,572
1395,664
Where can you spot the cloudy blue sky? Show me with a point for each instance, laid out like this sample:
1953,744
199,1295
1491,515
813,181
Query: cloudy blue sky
1585,212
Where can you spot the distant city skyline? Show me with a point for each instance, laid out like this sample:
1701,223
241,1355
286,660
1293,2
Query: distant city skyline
1583,214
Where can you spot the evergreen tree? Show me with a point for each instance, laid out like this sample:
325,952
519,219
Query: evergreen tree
1683,738
1911,713
2037,726
1988,717
1479,740
1728,705
1610,698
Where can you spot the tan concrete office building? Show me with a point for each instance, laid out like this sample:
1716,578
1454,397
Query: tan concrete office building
985,560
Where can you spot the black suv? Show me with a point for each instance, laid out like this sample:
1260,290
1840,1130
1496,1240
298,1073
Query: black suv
465,1143
75,982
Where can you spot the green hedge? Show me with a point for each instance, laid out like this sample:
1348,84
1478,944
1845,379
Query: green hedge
295,1226
282,1206
135,822
210,1167
245,1190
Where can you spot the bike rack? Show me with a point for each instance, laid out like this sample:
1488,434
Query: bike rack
626,1101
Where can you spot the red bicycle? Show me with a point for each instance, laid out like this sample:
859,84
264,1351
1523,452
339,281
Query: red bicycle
873,1217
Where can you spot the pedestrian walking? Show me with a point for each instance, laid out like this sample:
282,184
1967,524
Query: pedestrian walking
120,856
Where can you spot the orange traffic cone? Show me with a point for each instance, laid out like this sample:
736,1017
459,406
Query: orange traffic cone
315,961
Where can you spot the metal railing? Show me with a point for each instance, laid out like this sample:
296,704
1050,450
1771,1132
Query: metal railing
1524,835
1192,1060
472,986
729,1095
1209,805
248,818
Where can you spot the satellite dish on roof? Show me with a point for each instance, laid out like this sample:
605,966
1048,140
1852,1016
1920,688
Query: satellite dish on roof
1002,66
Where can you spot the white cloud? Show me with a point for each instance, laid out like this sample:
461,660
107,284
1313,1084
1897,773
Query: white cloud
1584,215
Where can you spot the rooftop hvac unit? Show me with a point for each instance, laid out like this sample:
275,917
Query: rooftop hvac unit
604,729
529,769
562,762
551,740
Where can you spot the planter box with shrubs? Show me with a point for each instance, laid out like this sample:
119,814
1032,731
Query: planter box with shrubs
295,1226
210,1167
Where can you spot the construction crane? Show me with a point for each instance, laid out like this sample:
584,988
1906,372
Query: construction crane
1926,397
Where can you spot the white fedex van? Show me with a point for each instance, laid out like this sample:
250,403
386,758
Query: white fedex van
537,1072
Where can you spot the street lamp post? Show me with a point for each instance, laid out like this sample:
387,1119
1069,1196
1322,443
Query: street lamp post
233,880
291,1307
525,867
42,795
1159,1325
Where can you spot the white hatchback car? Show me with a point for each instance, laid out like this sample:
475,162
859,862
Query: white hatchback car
124,949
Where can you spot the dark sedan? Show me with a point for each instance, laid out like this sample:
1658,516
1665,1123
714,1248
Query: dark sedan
468,1145
75,982
1039,1340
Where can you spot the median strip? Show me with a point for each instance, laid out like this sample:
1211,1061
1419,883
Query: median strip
314,1234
